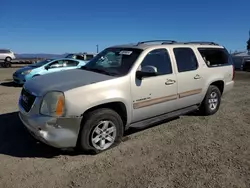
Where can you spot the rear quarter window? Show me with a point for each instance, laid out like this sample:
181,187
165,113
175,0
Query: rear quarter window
215,57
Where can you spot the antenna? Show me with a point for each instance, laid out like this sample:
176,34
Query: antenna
97,48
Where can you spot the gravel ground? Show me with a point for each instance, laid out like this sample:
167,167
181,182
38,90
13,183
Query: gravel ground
187,152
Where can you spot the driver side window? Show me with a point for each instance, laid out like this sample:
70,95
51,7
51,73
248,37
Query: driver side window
57,64
159,59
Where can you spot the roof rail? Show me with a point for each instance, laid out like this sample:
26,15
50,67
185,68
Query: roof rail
202,42
162,42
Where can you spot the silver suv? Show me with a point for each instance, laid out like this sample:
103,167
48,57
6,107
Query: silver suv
81,56
125,86
6,55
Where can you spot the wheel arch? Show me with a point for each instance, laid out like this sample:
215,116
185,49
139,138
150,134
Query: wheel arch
7,57
220,84
36,75
117,106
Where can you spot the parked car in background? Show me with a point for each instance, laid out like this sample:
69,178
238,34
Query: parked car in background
81,56
125,86
6,55
242,63
45,67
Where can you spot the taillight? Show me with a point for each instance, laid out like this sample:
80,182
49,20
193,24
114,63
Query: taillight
233,72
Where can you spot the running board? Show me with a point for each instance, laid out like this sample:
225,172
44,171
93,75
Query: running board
147,122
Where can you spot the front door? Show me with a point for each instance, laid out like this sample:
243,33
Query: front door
56,66
156,95
190,77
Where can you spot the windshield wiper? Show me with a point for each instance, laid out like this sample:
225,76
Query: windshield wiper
98,71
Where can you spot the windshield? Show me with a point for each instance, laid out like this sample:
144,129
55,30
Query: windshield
113,61
70,56
41,63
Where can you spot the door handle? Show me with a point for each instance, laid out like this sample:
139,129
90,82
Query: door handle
170,82
197,77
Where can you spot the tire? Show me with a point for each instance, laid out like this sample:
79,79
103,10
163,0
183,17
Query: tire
8,59
208,106
8,64
88,131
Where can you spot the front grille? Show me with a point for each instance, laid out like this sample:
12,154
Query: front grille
27,100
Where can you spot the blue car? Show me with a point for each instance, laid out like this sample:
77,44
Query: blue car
46,67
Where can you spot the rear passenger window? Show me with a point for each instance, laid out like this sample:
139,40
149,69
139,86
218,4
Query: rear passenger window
71,63
185,59
215,56
160,59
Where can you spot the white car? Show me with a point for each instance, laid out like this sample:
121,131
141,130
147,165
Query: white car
6,55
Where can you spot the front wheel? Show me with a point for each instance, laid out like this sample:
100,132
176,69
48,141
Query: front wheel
8,59
101,130
211,102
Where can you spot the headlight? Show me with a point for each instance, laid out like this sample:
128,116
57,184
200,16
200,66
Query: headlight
26,72
53,104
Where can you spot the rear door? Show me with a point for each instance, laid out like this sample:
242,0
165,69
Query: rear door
190,77
70,64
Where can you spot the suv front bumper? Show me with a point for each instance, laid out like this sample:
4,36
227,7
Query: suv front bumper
56,132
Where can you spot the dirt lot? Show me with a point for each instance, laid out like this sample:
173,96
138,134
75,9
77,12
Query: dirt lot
186,152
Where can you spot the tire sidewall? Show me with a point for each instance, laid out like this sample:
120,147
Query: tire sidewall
208,110
92,120
7,59
8,64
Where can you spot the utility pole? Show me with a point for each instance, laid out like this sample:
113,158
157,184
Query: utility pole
248,43
97,48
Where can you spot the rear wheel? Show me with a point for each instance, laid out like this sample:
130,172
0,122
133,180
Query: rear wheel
101,130
211,102
8,59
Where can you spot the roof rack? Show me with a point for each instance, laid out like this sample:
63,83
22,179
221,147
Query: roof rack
175,42
161,41
202,42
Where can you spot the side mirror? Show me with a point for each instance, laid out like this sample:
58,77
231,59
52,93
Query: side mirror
47,67
146,71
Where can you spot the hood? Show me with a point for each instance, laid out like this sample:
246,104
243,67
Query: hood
63,81
19,71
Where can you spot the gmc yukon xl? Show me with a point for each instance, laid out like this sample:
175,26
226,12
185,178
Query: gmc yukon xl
125,86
